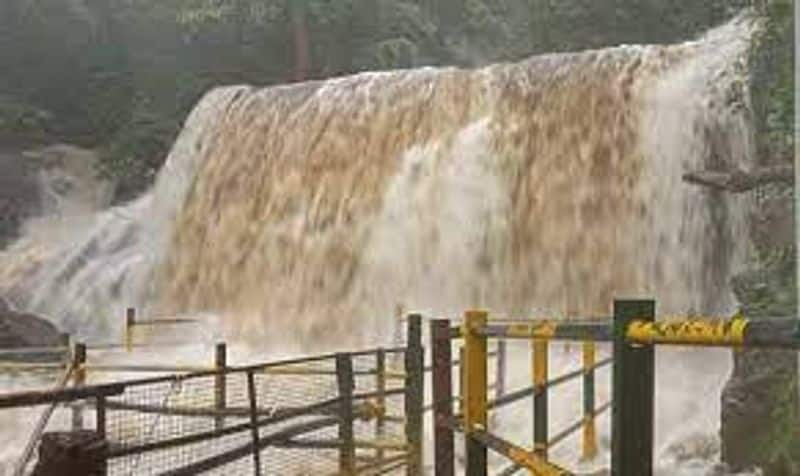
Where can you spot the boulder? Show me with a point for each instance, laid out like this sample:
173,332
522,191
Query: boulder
21,329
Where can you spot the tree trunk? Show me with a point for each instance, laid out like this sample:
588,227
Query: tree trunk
301,39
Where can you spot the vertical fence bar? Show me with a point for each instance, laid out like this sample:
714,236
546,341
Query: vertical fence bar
220,382
380,387
461,380
79,362
100,428
346,383
251,396
65,355
589,446
442,385
541,366
399,315
475,391
634,394
130,324
500,370
415,394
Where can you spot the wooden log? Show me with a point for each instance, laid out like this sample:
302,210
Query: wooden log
738,181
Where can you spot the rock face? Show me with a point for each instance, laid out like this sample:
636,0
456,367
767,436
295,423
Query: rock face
55,180
19,194
760,421
19,329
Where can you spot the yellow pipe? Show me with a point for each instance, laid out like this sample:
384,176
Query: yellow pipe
538,330
689,331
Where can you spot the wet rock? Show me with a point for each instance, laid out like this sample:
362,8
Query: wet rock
21,329
19,194
79,453
760,421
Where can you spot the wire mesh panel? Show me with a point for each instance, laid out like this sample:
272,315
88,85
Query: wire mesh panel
204,423
148,425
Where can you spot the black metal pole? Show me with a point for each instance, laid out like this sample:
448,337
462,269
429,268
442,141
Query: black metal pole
251,395
415,394
634,394
220,382
346,383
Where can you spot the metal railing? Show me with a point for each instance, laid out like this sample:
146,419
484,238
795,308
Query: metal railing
632,331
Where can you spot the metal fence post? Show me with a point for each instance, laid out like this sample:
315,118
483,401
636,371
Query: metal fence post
462,381
540,366
130,324
380,387
475,391
346,383
634,394
500,371
399,315
589,447
220,382
100,428
415,394
442,385
65,341
251,395
79,363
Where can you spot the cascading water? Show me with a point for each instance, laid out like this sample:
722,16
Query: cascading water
307,212
311,209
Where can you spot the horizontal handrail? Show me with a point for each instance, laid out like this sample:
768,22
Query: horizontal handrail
245,450
558,438
738,331
41,397
556,330
17,366
157,322
146,368
34,350
517,395
211,412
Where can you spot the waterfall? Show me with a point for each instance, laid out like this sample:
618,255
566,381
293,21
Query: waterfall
550,185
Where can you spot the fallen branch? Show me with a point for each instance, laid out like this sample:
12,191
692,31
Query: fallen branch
738,181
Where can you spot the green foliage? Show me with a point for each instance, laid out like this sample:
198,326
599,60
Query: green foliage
773,81
134,154
114,71
21,119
